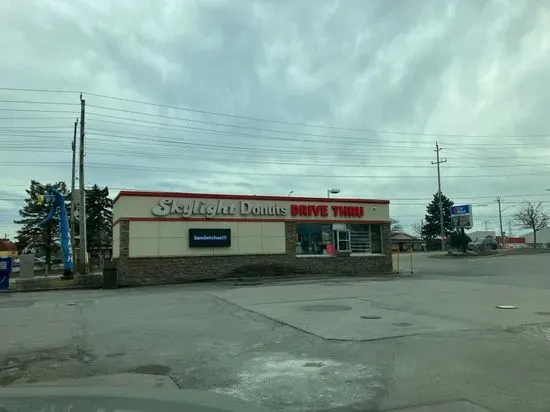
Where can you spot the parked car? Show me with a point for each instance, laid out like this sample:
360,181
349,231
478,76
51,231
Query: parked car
39,261
485,243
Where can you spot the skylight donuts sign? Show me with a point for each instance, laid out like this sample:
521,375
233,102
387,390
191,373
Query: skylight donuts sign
249,209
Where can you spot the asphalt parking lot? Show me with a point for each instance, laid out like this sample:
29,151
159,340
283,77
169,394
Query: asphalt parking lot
433,340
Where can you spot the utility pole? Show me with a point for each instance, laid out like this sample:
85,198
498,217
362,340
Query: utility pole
73,200
441,221
500,217
82,214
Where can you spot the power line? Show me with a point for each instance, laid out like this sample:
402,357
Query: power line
20,89
35,102
35,118
306,124
207,112
4,109
254,173
354,163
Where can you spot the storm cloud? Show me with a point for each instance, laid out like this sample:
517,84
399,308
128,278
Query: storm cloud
381,81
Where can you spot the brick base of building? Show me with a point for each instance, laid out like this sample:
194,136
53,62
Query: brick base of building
134,271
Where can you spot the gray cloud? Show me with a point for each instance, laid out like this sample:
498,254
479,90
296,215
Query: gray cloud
456,67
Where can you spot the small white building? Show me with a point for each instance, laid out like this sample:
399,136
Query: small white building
481,234
543,237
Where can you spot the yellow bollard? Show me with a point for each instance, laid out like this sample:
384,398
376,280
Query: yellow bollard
398,259
411,253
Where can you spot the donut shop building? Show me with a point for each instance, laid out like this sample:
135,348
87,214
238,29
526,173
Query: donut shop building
161,237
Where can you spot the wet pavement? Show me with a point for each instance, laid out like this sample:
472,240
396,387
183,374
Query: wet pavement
434,339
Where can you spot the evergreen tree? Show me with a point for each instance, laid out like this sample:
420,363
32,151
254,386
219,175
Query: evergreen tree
431,228
30,236
99,209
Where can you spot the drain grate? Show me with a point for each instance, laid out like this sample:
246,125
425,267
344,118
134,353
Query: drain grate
326,308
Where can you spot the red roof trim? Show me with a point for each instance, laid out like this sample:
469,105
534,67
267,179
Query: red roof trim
7,246
182,219
246,197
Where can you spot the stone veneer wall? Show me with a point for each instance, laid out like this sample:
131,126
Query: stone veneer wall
133,271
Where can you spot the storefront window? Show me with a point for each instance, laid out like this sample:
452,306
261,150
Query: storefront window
360,238
365,238
313,239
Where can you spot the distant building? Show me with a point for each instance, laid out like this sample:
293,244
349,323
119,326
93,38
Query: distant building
403,242
511,242
7,248
543,238
481,234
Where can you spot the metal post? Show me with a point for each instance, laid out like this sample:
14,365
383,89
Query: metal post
73,200
398,262
83,246
500,219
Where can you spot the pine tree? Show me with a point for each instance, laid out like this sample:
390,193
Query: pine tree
32,237
99,209
431,228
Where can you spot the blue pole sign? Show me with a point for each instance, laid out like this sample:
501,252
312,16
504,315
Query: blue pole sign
461,210
461,216
5,271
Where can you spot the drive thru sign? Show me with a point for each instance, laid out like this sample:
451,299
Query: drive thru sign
461,216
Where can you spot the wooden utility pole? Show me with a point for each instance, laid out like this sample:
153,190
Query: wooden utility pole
73,200
440,195
500,217
82,213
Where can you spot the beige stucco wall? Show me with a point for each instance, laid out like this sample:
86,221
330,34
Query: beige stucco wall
170,238
141,207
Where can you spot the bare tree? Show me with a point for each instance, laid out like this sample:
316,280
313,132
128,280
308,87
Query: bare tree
396,226
417,227
532,217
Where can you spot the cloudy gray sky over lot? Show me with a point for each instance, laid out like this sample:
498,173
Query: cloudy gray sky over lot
268,97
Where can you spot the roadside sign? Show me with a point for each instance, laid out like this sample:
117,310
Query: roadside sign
461,216
461,210
5,271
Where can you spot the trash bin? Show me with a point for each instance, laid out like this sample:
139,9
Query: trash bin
109,275
5,272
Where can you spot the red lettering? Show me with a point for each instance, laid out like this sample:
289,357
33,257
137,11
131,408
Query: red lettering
316,210
360,211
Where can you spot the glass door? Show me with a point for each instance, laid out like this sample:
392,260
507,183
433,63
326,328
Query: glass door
343,240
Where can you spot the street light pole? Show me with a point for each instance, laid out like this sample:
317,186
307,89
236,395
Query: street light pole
333,191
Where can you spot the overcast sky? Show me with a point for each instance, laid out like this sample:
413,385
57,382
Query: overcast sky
285,96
